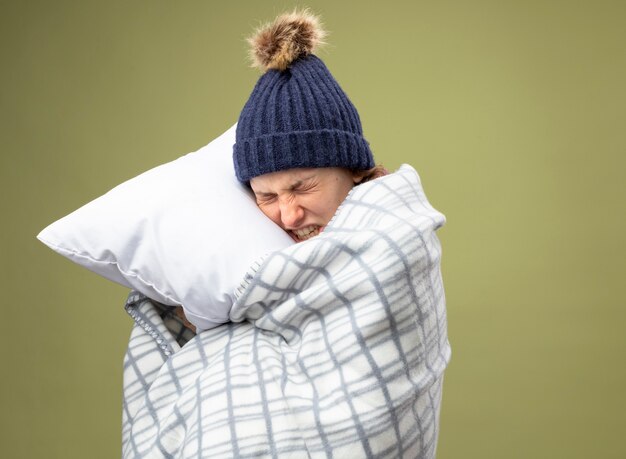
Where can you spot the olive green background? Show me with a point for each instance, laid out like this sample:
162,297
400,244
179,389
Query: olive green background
514,114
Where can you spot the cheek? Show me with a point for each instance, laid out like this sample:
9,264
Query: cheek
338,196
325,205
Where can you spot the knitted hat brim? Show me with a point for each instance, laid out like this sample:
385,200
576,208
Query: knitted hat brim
315,148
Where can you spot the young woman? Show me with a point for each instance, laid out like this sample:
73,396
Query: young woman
336,346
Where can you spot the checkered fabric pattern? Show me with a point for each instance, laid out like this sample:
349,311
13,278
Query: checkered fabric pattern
337,347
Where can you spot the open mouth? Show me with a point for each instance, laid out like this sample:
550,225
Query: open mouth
306,233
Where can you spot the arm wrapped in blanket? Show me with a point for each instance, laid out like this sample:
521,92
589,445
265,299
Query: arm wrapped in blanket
337,347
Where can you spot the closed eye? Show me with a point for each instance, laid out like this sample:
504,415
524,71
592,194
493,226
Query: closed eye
303,187
263,198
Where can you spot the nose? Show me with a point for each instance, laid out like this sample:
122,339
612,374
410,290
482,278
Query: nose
291,214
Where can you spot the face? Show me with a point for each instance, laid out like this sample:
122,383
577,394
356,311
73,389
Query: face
303,201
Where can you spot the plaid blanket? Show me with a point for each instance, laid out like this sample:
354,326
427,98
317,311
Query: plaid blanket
336,348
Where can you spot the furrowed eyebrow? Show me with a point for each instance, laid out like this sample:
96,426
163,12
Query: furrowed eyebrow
293,186
299,183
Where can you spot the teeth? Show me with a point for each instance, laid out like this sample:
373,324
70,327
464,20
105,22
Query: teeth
307,233
304,231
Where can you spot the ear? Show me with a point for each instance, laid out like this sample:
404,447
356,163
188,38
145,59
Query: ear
357,177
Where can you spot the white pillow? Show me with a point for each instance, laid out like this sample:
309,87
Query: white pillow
182,233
